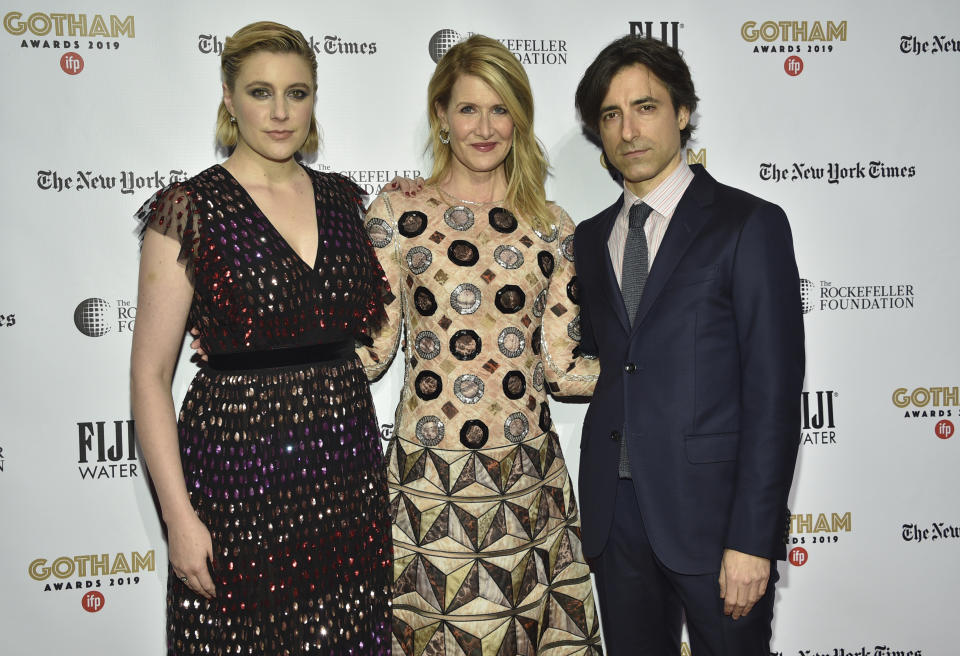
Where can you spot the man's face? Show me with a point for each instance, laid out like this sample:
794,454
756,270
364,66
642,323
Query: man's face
640,129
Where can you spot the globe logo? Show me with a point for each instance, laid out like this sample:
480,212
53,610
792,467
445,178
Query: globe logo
807,291
441,42
90,317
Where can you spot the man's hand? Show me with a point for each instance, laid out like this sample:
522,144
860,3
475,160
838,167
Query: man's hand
743,580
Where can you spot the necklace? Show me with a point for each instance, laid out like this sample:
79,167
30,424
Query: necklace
452,200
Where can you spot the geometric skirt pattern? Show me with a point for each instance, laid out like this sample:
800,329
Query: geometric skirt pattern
486,552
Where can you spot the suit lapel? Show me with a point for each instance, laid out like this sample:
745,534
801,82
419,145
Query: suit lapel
610,287
691,214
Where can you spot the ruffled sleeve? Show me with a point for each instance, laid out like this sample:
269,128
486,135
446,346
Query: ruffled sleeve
377,289
382,234
567,372
172,212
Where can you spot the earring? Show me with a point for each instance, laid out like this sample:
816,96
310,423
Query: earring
444,136
233,119
603,159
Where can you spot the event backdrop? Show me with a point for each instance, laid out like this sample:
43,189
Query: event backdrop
844,113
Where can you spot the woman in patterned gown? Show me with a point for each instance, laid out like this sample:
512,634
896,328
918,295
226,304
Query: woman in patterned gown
272,483
487,556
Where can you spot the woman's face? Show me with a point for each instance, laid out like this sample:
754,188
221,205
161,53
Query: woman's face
481,128
272,100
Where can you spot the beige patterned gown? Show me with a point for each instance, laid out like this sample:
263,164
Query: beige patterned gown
486,533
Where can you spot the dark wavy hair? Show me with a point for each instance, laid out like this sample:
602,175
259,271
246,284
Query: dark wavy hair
663,60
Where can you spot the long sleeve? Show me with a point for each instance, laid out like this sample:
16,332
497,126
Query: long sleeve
567,372
382,230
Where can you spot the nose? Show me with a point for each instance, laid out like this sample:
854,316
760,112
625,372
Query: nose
279,110
630,128
485,126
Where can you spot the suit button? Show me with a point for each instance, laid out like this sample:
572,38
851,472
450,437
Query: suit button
629,367
615,435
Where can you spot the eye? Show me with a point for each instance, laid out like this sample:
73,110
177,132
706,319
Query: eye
299,94
647,108
260,92
609,116
467,109
500,110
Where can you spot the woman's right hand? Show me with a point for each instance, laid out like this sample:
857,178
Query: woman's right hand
197,346
191,551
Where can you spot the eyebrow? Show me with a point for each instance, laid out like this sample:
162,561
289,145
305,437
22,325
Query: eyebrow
646,100
261,83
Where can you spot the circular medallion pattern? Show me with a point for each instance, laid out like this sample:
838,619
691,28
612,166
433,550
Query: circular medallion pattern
419,259
509,257
429,430
535,341
545,262
566,247
428,385
573,290
427,345
412,223
540,304
468,388
514,385
424,301
474,434
380,232
511,342
465,298
544,422
463,253
548,237
510,299
516,427
459,218
538,377
502,220
465,345
573,329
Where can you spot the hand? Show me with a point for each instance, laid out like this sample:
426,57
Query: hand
409,186
197,346
743,580
191,549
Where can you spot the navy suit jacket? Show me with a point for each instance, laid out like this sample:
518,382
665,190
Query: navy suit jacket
705,387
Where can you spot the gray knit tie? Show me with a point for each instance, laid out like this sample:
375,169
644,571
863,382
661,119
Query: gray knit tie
634,279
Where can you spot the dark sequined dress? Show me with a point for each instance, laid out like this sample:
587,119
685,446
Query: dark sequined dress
283,463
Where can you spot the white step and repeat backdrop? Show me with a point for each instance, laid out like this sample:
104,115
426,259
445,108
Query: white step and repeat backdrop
843,113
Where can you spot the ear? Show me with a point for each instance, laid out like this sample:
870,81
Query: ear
228,99
683,117
441,113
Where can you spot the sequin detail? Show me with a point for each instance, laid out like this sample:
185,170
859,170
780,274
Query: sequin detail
509,257
511,342
427,345
516,427
419,259
283,465
458,217
429,430
380,232
468,388
465,298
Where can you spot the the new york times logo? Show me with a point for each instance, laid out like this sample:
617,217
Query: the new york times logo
106,452
936,531
95,317
84,571
827,296
817,421
876,650
666,31
331,44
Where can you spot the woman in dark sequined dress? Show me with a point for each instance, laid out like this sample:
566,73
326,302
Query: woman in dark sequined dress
272,483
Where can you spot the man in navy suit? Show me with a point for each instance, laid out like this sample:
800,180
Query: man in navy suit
691,301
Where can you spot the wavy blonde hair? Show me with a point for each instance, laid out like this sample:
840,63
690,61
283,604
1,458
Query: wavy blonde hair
526,164
263,36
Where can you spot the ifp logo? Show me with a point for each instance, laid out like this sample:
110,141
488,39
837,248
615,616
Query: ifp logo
944,429
793,66
92,601
71,63
798,556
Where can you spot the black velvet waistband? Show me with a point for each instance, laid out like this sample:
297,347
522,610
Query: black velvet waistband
282,357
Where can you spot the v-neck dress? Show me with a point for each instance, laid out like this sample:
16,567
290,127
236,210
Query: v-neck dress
283,463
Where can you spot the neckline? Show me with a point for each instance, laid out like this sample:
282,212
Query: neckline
451,200
253,203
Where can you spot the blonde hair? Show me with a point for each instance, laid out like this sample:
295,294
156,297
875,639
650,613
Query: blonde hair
525,165
262,36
